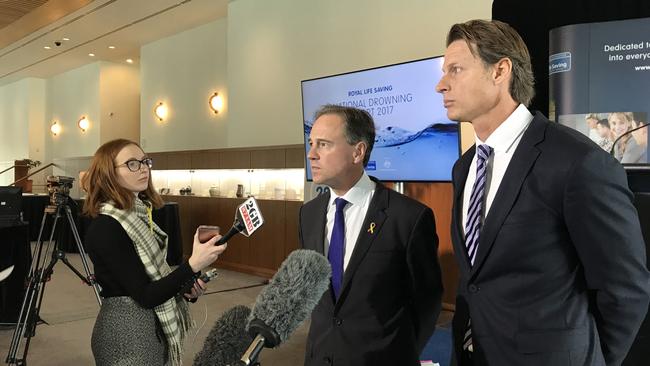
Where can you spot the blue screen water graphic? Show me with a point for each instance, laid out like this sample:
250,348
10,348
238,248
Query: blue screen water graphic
415,141
397,151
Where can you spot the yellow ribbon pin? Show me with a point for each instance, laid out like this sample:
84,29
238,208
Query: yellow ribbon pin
371,229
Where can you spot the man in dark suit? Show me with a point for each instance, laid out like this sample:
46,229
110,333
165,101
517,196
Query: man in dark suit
385,294
551,257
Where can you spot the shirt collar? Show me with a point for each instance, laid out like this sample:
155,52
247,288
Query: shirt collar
358,193
507,133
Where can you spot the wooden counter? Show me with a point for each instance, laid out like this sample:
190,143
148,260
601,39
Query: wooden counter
263,252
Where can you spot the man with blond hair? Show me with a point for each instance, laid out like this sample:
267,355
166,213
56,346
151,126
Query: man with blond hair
550,252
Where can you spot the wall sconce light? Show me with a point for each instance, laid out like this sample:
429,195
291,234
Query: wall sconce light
55,128
160,111
83,123
216,102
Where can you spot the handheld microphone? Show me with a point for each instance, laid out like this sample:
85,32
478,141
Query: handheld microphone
611,151
287,301
248,218
206,277
227,339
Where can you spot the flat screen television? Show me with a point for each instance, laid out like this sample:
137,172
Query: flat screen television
599,78
414,139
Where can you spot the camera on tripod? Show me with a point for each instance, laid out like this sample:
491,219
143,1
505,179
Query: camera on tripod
44,256
58,187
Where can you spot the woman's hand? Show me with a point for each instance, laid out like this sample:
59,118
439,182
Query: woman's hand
197,290
204,254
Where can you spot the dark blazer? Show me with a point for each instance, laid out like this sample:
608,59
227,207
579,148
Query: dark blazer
391,292
560,276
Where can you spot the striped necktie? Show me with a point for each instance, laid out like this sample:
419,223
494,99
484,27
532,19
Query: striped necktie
475,210
474,220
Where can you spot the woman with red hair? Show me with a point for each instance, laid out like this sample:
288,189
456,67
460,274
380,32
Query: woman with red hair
144,317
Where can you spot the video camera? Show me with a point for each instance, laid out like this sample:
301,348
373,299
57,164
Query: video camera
59,188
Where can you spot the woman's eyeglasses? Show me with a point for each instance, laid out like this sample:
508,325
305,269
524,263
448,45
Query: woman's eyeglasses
134,165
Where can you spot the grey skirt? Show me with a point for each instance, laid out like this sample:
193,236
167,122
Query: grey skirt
126,334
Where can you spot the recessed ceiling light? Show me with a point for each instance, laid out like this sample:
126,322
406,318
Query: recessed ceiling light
47,47
65,38
129,60
111,47
91,54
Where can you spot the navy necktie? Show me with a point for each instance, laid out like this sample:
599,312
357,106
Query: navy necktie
337,246
474,220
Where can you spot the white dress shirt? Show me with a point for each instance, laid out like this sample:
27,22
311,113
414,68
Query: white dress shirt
359,198
504,140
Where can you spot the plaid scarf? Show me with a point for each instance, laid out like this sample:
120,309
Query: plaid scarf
151,245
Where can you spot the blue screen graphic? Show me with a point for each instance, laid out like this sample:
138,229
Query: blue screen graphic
414,139
599,78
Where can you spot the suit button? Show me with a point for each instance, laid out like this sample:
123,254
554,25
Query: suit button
473,288
338,321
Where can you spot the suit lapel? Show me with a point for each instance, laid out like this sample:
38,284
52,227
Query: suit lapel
460,177
460,174
319,219
375,218
518,169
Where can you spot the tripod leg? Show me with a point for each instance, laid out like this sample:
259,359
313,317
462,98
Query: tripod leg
28,298
29,310
90,277
44,275
33,316
38,249
61,255
26,307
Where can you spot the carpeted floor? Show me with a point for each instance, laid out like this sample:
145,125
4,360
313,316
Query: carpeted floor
438,349
69,310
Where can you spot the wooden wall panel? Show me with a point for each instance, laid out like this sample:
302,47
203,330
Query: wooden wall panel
206,212
291,223
263,253
159,160
235,159
267,159
295,157
205,160
267,243
180,160
238,250
277,157
439,196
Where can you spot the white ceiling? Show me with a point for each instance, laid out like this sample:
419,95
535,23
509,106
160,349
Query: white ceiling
125,24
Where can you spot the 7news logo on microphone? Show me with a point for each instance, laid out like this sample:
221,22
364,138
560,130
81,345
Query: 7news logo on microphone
250,215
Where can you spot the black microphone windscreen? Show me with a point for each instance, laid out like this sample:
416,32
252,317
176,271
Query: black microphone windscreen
293,292
227,340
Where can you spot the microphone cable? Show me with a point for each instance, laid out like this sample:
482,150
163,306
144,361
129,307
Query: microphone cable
236,288
205,306
205,319
611,151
